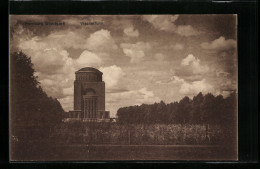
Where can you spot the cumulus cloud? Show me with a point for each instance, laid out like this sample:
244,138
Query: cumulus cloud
88,59
159,57
46,58
58,85
112,76
67,102
101,41
178,46
34,43
220,44
131,32
223,87
136,55
166,23
162,22
50,61
224,51
129,98
135,51
137,97
186,30
68,91
197,68
67,39
177,79
226,86
196,87
190,58
221,73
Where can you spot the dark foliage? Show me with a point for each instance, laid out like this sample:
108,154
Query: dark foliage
30,105
201,109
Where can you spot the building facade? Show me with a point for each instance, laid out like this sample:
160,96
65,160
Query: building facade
89,96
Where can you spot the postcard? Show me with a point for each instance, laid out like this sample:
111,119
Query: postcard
123,87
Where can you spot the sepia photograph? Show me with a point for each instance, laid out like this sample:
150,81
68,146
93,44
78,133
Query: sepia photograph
123,87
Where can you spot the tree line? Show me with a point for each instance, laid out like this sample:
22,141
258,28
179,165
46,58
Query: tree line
201,109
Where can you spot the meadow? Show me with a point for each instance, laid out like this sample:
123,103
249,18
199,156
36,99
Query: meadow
138,134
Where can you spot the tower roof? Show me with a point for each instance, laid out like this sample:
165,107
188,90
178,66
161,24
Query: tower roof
89,69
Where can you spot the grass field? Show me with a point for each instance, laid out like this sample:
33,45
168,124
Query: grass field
122,142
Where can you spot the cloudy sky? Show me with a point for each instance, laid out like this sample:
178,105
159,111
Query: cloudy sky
144,59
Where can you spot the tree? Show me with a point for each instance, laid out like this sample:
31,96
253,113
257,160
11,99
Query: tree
30,105
207,108
230,108
183,112
196,108
172,111
201,109
219,110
